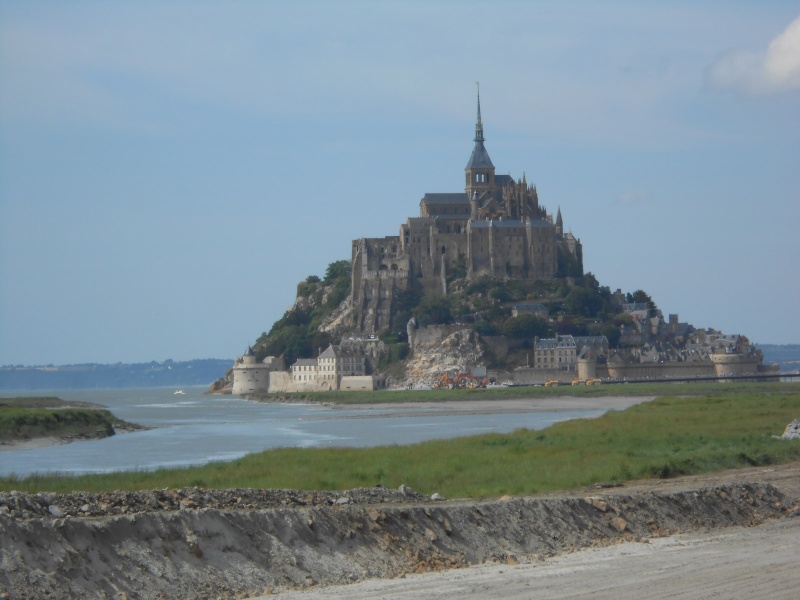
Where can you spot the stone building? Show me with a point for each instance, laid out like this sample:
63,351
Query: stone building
559,353
344,360
339,367
495,227
251,376
304,371
334,369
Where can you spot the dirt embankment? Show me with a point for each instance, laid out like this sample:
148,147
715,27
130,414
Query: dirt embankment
197,543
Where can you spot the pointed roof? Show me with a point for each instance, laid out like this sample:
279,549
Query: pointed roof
478,122
479,159
559,220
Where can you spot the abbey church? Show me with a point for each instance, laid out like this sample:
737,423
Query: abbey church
495,227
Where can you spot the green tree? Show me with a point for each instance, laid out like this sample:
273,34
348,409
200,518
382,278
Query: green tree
642,297
433,310
583,301
337,270
525,326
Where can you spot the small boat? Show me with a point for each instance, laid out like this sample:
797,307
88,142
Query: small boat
179,392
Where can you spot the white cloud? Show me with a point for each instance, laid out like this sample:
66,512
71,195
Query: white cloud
775,70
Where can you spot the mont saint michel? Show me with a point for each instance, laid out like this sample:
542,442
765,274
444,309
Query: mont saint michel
485,282
495,228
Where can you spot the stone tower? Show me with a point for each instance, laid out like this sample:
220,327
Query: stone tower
479,169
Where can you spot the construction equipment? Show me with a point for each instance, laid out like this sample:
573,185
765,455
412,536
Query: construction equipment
444,382
459,381
552,383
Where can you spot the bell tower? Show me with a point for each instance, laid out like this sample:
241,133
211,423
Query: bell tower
479,170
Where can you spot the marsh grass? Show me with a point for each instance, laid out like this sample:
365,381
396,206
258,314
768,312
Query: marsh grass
26,423
669,436
530,392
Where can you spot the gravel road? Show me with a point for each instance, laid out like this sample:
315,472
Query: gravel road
729,563
736,562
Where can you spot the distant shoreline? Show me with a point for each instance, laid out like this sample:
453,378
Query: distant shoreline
175,374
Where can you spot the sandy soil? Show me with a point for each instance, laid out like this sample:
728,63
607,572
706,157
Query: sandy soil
42,442
737,562
47,441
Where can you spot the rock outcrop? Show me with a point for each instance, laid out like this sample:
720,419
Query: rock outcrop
442,349
792,431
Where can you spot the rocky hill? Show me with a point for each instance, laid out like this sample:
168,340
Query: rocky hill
322,314
491,322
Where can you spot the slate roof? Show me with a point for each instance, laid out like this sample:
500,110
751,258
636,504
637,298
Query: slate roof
341,350
449,198
305,362
509,224
591,340
562,341
479,159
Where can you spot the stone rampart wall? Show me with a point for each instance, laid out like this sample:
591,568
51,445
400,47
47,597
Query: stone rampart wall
734,364
280,381
528,375
250,379
357,382
661,370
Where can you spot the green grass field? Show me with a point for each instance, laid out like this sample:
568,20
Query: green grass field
505,393
719,427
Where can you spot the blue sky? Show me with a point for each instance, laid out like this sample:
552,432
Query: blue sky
170,170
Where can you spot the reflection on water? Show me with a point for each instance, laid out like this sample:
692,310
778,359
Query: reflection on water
193,429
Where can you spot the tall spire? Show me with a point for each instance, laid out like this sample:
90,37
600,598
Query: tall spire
478,122
480,158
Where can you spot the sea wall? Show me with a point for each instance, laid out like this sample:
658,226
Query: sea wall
661,370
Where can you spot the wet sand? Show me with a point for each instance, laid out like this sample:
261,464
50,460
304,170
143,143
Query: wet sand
42,442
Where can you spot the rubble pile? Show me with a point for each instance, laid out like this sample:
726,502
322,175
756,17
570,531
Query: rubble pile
20,505
792,431
459,351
